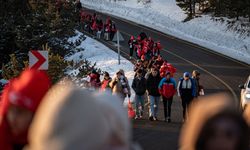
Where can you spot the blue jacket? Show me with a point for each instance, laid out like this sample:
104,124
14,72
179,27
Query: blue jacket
192,86
163,80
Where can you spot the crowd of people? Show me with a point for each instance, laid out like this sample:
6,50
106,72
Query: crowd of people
154,79
37,116
93,24
150,66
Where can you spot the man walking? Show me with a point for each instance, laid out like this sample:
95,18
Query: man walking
139,86
167,88
196,79
153,80
186,90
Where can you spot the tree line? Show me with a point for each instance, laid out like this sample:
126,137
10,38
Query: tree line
233,9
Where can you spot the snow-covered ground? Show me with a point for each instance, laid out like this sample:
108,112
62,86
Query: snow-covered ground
105,58
166,16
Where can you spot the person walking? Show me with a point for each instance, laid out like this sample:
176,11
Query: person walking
153,80
94,80
186,90
132,42
139,86
120,85
167,89
196,78
105,83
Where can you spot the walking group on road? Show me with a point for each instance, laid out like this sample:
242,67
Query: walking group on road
157,75
93,24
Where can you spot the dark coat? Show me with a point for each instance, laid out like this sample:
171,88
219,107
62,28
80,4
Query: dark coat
152,84
139,85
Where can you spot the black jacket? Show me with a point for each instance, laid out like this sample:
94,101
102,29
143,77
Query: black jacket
152,84
139,86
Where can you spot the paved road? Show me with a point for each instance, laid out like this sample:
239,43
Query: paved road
218,73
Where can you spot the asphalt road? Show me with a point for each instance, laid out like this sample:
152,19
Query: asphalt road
218,74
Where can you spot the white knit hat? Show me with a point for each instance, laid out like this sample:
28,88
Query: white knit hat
70,118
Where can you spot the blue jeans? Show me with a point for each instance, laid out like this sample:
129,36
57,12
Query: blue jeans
139,101
154,104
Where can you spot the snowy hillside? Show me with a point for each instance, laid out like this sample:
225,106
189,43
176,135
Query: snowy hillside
166,16
104,57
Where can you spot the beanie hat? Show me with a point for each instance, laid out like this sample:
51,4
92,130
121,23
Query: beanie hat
26,91
186,74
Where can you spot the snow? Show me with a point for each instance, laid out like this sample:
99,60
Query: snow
105,58
167,17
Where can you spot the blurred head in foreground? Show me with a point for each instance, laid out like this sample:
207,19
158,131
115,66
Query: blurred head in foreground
215,124
19,102
247,114
75,119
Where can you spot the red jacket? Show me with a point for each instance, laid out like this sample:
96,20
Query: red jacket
94,26
105,84
163,70
171,69
167,88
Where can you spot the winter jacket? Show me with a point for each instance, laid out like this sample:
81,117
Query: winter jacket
182,90
117,88
167,67
167,88
171,69
95,80
139,85
197,86
132,43
152,84
163,70
105,84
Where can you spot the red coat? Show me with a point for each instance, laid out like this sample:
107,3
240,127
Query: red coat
163,70
82,15
94,26
105,84
139,50
108,21
171,69
167,88
95,80
107,28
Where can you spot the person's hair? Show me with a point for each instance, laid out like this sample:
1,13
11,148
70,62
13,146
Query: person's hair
195,73
139,71
106,74
204,136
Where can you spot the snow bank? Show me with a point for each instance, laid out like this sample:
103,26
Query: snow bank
166,16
